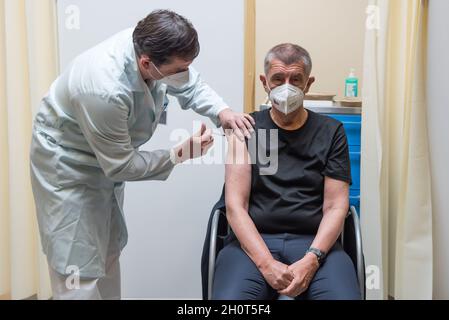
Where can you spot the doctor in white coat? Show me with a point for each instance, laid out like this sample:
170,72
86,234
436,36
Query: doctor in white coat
86,140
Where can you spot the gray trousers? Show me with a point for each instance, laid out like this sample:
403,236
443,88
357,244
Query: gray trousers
237,277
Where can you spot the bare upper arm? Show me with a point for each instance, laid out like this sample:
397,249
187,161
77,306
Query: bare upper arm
336,194
238,174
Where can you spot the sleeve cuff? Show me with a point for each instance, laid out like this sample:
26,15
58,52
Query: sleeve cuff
174,160
220,109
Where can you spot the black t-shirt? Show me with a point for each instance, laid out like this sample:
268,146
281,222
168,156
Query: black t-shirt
287,194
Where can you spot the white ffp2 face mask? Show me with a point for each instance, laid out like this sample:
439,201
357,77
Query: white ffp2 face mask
287,98
177,80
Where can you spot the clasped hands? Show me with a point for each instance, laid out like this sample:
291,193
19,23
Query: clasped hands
291,280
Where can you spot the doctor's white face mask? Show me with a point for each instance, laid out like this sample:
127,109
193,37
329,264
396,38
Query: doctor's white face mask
177,80
287,98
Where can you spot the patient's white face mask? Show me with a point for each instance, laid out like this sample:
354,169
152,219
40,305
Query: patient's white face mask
177,80
287,98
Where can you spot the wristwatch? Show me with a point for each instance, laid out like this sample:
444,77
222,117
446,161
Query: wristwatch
319,254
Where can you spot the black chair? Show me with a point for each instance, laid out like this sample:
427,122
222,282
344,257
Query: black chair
351,240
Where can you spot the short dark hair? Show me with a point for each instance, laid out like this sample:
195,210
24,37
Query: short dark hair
164,35
289,53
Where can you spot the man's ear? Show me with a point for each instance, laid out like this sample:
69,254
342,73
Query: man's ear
263,79
144,61
309,84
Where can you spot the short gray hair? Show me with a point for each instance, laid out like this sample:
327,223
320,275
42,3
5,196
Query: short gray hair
289,53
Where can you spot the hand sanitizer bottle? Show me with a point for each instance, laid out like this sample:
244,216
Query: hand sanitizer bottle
352,85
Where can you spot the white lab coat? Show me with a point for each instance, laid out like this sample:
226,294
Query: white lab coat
85,145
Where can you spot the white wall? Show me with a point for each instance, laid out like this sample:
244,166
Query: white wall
438,117
167,220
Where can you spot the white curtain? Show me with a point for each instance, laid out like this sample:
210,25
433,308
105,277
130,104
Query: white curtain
28,65
396,211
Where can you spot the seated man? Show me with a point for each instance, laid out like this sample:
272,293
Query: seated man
286,222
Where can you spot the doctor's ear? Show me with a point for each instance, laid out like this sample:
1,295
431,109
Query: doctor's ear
144,61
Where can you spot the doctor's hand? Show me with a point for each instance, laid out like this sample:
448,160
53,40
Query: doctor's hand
195,147
277,274
304,270
241,123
